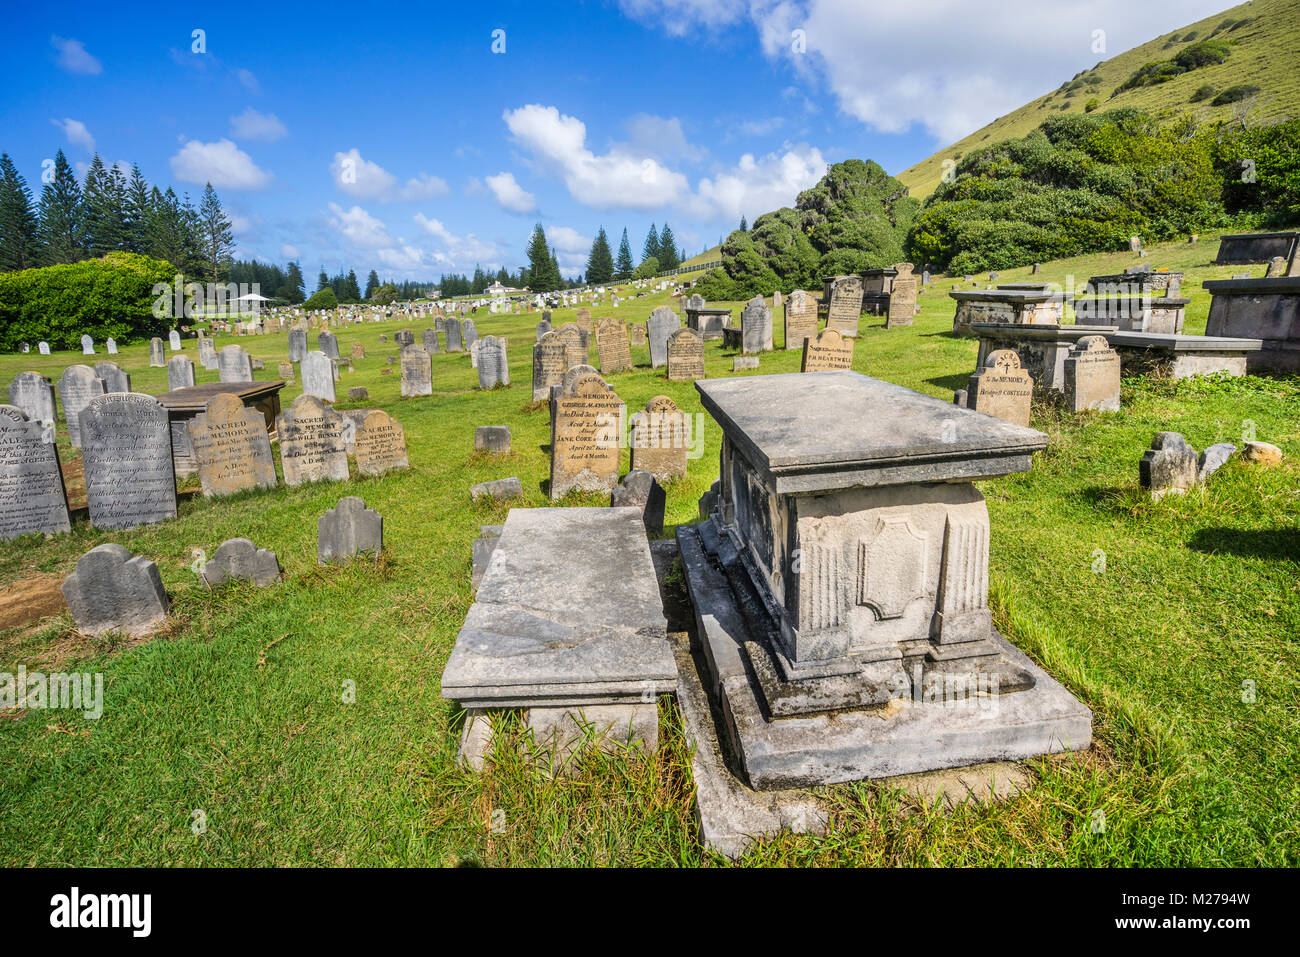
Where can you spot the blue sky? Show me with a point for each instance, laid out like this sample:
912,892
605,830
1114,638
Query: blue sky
393,137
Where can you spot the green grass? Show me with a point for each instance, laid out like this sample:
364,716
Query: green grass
1263,54
239,709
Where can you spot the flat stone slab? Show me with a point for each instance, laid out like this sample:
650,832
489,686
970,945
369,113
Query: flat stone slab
851,429
568,613
1180,343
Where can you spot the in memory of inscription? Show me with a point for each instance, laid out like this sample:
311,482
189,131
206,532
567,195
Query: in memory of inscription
126,451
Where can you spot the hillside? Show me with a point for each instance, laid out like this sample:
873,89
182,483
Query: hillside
1263,54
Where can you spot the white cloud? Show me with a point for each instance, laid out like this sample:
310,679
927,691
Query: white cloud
74,58
223,164
359,227
289,251
616,179
755,186
510,196
249,81
459,252
252,125
680,17
566,239
661,138
76,132
243,226
359,177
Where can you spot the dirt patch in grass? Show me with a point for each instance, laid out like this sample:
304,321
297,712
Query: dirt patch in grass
31,599
74,480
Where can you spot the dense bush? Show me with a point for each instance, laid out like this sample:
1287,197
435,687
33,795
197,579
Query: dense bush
1189,58
322,299
1203,92
1234,93
112,297
648,269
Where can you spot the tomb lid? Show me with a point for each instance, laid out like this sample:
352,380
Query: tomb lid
1282,235
1039,330
568,611
1182,343
1029,286
195,397
1153,302
1276,286
1009,295
876,273
816,431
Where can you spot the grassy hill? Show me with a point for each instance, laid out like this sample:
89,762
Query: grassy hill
1265,40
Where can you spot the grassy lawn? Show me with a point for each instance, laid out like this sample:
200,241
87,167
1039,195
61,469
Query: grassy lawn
241,710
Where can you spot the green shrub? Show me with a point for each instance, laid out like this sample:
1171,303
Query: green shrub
322,299
648,269
1234,93
1205,53
112,297
1091,105
1203,92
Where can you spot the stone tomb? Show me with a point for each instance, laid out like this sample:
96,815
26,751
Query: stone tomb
126,451
417,372
662,323
311,442
34,394
1263,309
1092,372
1001,388
550,363
77,387
231,448
707,323
660,438
840,586
800,318
843,296
493,362
612,347
685,356
826,352
568,626
1035,305
32,495
586,434
380,444
113,590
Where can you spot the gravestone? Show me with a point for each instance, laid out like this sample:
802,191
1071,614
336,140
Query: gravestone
34,394
231,447
574,343
110,344
317,376
1169,466
358,351
612,347
114,377
285,371
741,363
586,435
381,444
640,490
468,332
845,305
776,301
174,340
208,354
157,356
404,338
87,346
328,343
500,489
1092,373
492,438
663,322
417,372
685,356
1002,388
800,318
126,451
180,373
493,364
32,496
660,439
636,334
383,339
582,318
756,326
297,344
43,348
238,559
543,328
550,362
827,351
473,353
358,393
234,365
348,530
77,387
453,336
902,299
311,442
113,590
429,339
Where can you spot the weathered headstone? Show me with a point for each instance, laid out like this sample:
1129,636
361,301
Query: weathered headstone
492,438
1092,373
328,343
238,559
381,444
660,439
43,348
640,490
77,387
174,340
500,489
429,339
311,442
902,299
1169,466
612,347
800,318
574,343
454,343
126,451
231,447
1002,388
543,328
468,332
493,363
348,530
756,326
741,363
417,372
285,371
663,322
685,356
827,351
180,374
583,319
87,346
358,393
317,376
358,351
110,344
586,435
208,354
234,365
404,338
636,334
297,344
113,590
550,362
32,496
845,306
34,394
157,355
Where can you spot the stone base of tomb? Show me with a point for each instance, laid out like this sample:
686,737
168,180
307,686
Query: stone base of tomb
938,707
558,736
